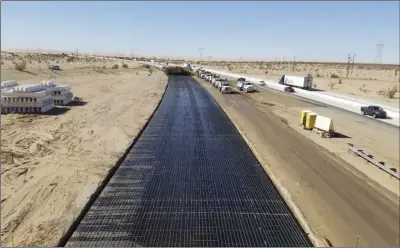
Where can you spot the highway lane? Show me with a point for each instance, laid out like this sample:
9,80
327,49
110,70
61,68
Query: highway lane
333,196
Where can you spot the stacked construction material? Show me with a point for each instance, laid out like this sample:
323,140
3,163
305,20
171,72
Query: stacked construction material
28,98
8,84
61,93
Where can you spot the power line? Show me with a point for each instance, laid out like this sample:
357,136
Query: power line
379,55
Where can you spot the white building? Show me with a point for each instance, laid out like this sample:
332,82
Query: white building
28,98
61,93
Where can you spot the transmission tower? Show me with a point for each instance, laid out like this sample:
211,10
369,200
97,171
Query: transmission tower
352,65
201,53
348,65
378,58
294,63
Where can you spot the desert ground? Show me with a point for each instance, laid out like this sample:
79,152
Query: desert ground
51,164
368,82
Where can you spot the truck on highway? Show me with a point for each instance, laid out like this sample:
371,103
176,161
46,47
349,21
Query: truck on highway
187,66
375,111
245,86
224,87
214,80
300,82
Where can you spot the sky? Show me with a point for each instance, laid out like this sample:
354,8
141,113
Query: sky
264,30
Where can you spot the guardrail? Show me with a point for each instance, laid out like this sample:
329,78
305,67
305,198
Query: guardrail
374,161
338,102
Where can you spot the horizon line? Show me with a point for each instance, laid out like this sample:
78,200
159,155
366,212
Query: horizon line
130,55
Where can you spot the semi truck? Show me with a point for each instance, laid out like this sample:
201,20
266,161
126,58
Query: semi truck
296,81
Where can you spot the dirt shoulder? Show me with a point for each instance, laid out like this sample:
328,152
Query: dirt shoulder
332,196
51,164
379,139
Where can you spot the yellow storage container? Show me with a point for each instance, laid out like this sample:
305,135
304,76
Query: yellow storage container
310,120
303,116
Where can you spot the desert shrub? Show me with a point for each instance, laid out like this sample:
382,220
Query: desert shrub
364,89
146,66
391,91
333,75
124,66
340,81
318,75
70,59
309,74
104,67
332,85
381,92
115,66
20,66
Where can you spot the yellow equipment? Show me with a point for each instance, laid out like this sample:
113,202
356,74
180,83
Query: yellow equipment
303,116
310,120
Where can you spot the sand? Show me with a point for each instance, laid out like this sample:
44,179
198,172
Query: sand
51,164
378,139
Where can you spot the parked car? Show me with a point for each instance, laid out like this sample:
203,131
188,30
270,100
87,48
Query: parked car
261,83
55,68
289,89
375,111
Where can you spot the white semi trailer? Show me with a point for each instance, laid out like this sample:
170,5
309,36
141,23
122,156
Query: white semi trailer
301,82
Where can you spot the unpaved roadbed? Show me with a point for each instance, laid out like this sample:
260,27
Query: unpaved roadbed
337,204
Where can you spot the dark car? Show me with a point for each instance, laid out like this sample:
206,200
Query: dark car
241,79
375,111
55,68
289,89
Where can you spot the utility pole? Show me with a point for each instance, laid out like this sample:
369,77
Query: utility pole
378,58
77,52
201,53
352,65
348,65
294,63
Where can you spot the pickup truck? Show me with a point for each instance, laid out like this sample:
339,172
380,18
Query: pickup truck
375,111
